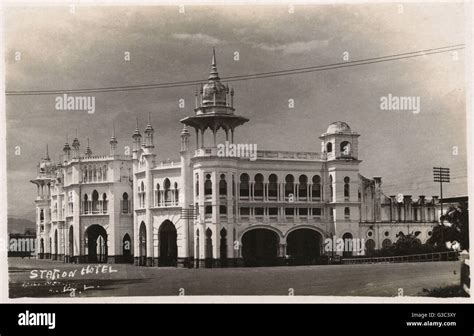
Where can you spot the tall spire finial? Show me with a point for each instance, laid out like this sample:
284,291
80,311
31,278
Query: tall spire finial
47,152
214,75
149,118
113,130
88,149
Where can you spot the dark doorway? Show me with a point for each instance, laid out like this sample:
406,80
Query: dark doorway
127,248
168,248
41,248
142,243
260,248
223,248
303,247
55,244
209,255
96,244
71,244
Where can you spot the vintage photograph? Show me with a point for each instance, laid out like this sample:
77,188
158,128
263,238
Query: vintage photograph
237,150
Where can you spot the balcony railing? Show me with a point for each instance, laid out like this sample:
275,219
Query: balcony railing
94,207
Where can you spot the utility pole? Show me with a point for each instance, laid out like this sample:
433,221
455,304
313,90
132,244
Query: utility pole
441,175
187,214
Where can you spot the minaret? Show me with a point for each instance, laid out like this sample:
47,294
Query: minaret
149,134
75,148
67,150
88,152
113,143
185,139
137,139
43,180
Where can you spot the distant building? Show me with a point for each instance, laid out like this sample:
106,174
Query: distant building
218,206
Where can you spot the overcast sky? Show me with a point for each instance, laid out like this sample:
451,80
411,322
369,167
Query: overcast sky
61,50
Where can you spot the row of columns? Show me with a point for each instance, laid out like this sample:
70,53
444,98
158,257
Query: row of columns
201,144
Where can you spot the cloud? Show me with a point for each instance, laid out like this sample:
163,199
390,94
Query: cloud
199,38
293,47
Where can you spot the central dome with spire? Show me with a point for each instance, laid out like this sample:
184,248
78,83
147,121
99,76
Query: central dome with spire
214,92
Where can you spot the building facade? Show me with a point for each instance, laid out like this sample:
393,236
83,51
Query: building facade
222,204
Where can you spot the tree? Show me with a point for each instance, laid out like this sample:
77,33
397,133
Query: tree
454,227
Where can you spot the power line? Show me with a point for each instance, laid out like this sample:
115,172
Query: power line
236,78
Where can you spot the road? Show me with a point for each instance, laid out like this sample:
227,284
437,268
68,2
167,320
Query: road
127,280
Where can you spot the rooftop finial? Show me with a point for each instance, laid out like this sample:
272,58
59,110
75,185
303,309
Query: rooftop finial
213,57
47,152
214,75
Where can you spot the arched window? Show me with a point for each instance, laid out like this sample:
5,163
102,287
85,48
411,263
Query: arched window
41,215
208,211
142,195
104,173
104,203
348,244
223,186
316,187
158,195
289,185
244,185
95,201
125,207
303,187
86,204
329,147
347,181
347,213
369,246
386,243
331,189
167,185
222,210
176,193
258,187
345,148
272,186
197,185
208,185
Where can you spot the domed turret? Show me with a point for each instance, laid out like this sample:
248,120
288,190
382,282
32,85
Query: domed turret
338,127
46,166
214,92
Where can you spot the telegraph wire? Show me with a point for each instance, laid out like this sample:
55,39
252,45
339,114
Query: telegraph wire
237,78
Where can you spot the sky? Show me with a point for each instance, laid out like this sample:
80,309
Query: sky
86,49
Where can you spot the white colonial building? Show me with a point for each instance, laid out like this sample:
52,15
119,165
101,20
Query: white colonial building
215,208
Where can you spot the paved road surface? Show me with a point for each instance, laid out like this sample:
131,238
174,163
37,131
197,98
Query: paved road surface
129,280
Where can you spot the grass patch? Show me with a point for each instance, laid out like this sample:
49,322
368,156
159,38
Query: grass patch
446,292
